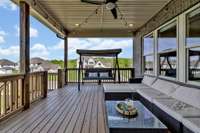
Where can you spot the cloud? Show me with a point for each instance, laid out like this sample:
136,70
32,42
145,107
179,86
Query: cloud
2,33
10,51
2,40
59,45
39,50
92,43
2,37
7,4
33,31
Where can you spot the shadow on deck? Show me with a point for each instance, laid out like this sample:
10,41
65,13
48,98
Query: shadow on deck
64,110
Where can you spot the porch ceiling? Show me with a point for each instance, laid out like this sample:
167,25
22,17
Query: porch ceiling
71,12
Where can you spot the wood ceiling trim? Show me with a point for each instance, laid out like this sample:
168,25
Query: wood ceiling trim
44,17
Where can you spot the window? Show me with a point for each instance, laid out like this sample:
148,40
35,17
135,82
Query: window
167,45
148,53
193,45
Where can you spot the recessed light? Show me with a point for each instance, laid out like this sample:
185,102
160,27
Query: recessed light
130,25
77,25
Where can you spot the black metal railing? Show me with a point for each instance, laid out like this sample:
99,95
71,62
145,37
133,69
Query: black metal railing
125,75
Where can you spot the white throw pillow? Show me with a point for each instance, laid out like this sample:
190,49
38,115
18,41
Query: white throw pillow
104,74
92,74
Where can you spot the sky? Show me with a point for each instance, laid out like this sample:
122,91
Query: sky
44,43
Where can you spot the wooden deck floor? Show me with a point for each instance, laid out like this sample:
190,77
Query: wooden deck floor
65,110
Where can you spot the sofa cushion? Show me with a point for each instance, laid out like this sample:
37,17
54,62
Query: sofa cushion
150,94
116,88
188,95
176,108
165,86
148,80
136,86
192,123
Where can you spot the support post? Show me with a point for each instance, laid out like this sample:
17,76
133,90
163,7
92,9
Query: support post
66,59
45,84
79,73
137,56
117,63
25,50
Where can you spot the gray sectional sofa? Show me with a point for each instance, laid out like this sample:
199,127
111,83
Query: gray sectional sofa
176,104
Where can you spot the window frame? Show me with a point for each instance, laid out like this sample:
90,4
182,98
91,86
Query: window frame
149,54
174,20
187,48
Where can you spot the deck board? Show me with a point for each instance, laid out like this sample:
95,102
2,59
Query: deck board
64,111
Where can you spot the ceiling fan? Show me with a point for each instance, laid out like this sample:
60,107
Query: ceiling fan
110,5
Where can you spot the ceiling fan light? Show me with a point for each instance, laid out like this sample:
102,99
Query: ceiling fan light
110,5
77,25
130,25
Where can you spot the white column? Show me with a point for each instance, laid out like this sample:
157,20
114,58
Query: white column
181,52
137,54
156,58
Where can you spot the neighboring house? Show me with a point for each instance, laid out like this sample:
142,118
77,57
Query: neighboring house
38,64
6,70
99,64
7,66
91,62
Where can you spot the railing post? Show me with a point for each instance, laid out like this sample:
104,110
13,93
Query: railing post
66,76
45,84
61,79
132,73
26,92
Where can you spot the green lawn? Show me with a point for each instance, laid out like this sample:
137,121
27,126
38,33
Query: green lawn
123,62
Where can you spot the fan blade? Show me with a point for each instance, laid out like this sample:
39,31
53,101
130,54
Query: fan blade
113,1
114,13
93,2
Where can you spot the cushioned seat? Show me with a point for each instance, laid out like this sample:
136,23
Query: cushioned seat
116,88
150,94
148,80
146,83
135,86
192,123
188,95
176,108
165,86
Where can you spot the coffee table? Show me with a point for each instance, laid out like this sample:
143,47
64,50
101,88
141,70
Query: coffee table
144,122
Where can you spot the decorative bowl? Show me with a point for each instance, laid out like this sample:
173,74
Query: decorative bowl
126,110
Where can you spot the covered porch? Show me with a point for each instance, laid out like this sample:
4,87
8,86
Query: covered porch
160,77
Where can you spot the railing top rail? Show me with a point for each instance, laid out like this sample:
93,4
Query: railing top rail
11,77
52,73
37,73
100,68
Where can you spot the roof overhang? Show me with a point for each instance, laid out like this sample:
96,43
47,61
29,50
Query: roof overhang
61,16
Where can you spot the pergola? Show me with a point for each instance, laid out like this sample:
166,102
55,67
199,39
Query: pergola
99,53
